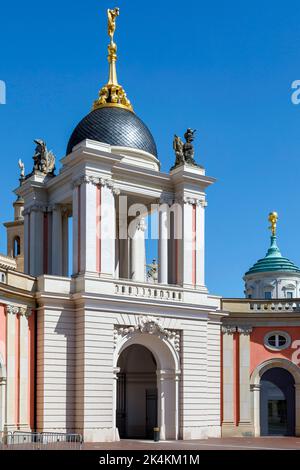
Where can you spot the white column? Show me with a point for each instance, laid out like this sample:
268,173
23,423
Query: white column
163,244
186,246
11,371
108,231
244,374
161,403
57,241
65,244
255,405
2,402
36,241
297,400
75,215
124,240
200,243
168,403
88,227
228,378
116,371
138,252
26,242
24,424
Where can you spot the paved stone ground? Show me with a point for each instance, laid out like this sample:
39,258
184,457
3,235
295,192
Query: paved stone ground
244,443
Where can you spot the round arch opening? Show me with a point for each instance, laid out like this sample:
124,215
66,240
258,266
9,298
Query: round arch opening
137,393
277,403
147,387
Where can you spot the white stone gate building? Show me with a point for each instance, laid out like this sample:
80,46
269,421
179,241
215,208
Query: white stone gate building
119,353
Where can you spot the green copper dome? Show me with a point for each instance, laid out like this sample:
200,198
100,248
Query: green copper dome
273,261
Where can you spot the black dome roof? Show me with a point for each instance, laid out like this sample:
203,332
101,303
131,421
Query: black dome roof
114,126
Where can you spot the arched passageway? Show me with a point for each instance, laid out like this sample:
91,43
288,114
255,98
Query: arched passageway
277,403
147,384
137,393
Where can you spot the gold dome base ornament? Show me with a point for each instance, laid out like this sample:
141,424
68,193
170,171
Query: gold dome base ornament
112,94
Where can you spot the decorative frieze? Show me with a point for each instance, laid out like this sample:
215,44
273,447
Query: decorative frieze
103,182
16,310
148,325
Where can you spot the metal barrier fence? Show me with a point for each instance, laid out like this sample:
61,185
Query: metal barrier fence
5,438
40,441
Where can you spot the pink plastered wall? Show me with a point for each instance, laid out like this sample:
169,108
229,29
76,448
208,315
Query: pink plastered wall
3,334
259,353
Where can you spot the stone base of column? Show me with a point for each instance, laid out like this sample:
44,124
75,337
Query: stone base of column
242,430
100,435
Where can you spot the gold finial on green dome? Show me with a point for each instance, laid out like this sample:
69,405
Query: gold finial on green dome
112,94
273,217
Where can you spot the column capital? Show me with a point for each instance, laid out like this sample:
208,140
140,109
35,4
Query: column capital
17,310
96,181
35,208
255,387
229,329
193,201
245,329
116,371
107,183
66,210
166,198
168,374
54,208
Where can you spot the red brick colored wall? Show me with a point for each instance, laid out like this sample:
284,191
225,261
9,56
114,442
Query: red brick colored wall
259,353
3,333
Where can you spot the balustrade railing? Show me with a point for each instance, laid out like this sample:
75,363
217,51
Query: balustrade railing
275,306
150,291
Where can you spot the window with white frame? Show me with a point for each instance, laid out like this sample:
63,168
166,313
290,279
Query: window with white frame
268,295
277,340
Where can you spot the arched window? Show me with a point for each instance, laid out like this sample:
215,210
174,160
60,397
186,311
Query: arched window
17,247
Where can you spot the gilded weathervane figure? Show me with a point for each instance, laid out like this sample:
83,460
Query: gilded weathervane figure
112,16
273,217
112,94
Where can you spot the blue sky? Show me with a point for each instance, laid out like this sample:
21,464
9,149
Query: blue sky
222,67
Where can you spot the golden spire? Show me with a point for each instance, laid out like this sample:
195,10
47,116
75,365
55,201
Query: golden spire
273,217
112,94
